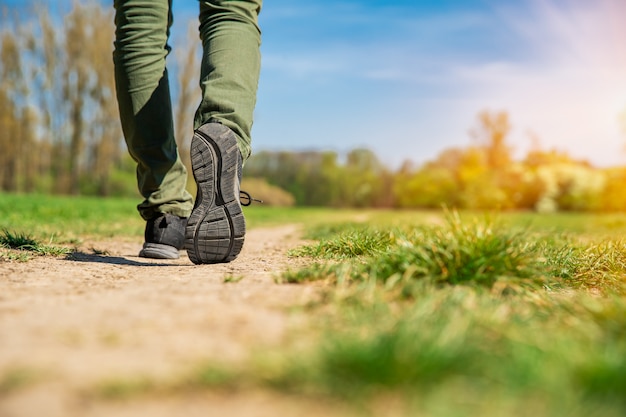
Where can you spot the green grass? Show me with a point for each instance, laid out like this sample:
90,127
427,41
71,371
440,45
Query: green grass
476,252
17,240
68,219
473,251
20,246
351,243
601,225
484,354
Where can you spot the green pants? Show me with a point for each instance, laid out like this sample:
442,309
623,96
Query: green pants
228,78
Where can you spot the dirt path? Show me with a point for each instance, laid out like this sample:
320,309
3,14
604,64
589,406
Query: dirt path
107,314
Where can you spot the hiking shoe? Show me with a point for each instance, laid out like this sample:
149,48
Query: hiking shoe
216,228
164,237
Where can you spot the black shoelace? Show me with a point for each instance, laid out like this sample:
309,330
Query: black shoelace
245,199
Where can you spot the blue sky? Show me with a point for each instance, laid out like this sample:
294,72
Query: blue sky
408,78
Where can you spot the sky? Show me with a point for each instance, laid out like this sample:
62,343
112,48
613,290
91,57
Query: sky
408,78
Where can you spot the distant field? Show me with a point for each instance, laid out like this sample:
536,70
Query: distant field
66,218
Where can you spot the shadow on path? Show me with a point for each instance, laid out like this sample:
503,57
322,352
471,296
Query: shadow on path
112,260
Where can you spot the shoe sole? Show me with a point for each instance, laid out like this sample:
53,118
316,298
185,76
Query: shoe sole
216,227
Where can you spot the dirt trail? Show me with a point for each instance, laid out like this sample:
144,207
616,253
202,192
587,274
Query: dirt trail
107,314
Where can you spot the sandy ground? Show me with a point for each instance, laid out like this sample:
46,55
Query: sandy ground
106,314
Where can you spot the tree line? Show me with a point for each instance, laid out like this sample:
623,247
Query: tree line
60,133
482,175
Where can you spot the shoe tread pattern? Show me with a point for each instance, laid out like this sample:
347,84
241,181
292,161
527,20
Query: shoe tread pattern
216,228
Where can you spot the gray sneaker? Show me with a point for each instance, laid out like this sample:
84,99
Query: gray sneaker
216,228
164,237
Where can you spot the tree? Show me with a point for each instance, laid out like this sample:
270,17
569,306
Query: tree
74,92
429,187
364,181
16,128
88,91
491,135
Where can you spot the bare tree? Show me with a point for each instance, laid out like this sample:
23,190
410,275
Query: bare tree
48,53
15,134
77,85
76,96
104,135
492,134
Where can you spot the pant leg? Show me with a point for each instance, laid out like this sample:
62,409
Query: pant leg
142,87
231,62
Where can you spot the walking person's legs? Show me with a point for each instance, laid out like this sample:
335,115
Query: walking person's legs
142,31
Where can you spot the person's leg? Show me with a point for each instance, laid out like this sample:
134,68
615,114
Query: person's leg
221,143
142,30
231,62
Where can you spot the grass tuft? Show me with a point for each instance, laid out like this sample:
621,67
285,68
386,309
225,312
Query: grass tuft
594,266
24,242
352,243
459,252
477,252
14,256
14,240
